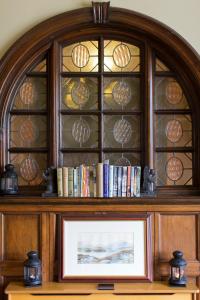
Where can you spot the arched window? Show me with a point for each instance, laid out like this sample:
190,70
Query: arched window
85,92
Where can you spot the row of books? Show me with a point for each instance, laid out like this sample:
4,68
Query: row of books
101,180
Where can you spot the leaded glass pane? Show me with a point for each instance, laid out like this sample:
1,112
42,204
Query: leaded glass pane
81,57
28,131
173,131
32,94
29,167
169,94
79,93
123,159
41,67
121,131
76,159
79,131
174,168
160,66
121,57
122,93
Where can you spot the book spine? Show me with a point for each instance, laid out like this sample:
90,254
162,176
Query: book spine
78,181
95,180
119,181
84,181
75,183
60,182
106,180
100,180
124,181
70,182
81,180
91,180
87,182
115,181
138,180
65,181
128,181
111,169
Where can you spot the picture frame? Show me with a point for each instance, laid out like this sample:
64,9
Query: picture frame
106,247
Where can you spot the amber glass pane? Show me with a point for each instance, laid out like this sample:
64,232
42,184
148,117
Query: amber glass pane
121,131
28,131
76,159
173,131
123,159
32,94
41,67
169,94
160,66
174,168
79,131
121,57
122,93
81,57
79,93
29,167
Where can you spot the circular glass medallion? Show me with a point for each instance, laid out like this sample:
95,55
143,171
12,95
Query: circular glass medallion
173,92
80,56
81,131
122,131
121,93
122,161
174,131
174,168
121,55
29,169
80,93
27,92
28,131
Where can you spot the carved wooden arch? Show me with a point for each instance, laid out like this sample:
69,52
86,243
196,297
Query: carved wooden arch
79,24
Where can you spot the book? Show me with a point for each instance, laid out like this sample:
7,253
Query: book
138,179
132,180
111,170
70,182
119,181
95,180
128,181
106,179
115,181
124,181
75,182
60,182
65,181
100,180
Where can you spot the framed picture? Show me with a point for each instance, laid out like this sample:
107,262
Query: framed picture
105,248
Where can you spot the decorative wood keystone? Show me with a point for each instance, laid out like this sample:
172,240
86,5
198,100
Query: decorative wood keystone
100,12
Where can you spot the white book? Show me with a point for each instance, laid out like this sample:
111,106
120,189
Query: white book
124,181
111,185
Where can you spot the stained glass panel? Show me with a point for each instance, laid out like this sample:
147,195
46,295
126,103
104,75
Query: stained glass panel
121,57
41,67
173,131
169,94
160,66
32,94
76,159
28,131
79,93
79,131
121,131
29,167
122,93
174,168
81,57
123,159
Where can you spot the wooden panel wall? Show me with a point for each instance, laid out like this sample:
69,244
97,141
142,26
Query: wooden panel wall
21,232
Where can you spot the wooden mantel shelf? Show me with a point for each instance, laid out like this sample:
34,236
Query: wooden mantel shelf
91,288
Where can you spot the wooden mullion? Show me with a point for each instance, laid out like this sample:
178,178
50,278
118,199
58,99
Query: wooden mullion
122,74
174,149
173,111
122,112
28,112
80,112
28,150
165,74
100,94
37,74
79,150
80,74
121,150
53,105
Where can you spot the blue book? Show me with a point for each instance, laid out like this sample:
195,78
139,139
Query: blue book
115,181
75,193
106,179
111,169
119,181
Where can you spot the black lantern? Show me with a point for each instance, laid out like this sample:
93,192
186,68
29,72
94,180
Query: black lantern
9,181
177,265
32,270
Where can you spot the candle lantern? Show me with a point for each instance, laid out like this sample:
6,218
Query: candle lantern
9,181
32,270
177,265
